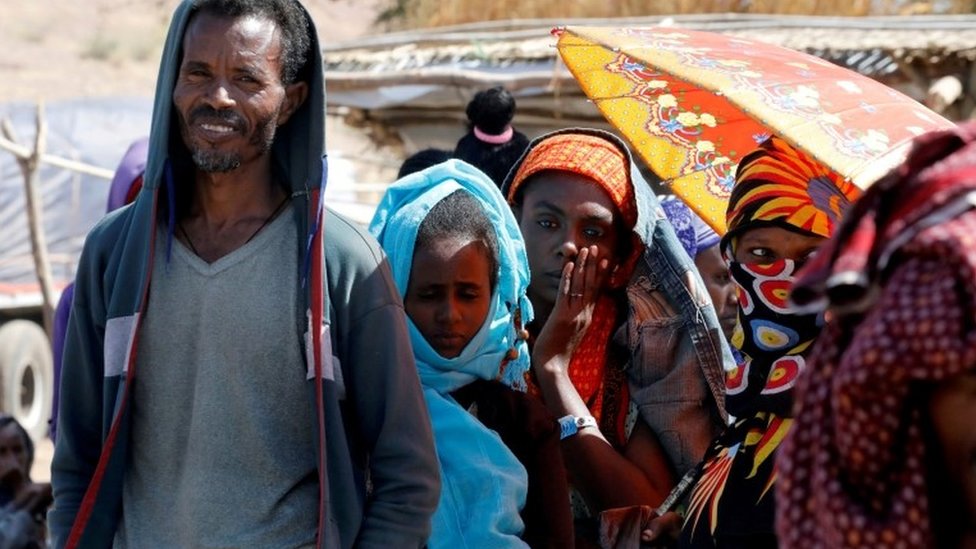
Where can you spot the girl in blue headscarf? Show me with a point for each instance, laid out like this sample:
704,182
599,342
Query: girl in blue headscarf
459,261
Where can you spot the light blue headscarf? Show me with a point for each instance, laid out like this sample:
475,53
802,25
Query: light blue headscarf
483,485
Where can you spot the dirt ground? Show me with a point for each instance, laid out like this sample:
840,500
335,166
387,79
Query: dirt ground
60,49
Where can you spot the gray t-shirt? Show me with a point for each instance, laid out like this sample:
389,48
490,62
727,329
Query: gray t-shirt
222,451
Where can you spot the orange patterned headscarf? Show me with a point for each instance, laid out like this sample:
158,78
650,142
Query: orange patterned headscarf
779,184
586,155
604,390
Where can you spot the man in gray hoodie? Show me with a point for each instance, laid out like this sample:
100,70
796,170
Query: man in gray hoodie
237,364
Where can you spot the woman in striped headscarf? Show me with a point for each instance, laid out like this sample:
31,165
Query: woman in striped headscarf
783,206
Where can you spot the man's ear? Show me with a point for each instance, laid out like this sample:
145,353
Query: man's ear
295,95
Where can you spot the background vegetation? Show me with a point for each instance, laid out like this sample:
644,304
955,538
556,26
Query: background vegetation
404,14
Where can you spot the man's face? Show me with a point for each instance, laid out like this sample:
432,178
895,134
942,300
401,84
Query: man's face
13,457
562,212
229,96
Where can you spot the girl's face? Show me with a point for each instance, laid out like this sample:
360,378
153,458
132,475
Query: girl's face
562,213
449,293
765,245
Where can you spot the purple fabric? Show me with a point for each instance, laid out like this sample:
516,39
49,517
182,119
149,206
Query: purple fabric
694,234
130,168
132,165
60,327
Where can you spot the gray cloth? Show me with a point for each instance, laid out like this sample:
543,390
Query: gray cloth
222,442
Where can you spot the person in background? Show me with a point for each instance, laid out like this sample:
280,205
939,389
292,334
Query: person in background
594,237
123,190
23,503
238,359
883,446
702,244
492,144
782,208
459,261
421,160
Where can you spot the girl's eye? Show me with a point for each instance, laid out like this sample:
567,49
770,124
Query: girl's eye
546,223
593,232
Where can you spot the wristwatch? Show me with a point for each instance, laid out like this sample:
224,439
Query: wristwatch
570,425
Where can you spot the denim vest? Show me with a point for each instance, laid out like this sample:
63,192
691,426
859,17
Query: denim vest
677,351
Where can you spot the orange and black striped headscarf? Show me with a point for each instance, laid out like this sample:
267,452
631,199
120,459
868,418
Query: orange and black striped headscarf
777,184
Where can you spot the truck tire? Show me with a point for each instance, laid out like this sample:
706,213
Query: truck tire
26,376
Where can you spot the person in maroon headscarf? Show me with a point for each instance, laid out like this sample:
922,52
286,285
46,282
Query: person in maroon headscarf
883,450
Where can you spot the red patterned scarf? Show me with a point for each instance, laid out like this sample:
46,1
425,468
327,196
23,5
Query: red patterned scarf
899,280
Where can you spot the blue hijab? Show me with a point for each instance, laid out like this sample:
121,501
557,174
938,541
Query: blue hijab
483,484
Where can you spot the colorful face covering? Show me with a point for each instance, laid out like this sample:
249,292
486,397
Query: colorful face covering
732,503
771,339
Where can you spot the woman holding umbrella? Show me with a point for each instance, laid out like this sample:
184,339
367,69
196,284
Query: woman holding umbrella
783,206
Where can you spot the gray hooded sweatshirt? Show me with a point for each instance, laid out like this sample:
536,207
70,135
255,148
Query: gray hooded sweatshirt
375,454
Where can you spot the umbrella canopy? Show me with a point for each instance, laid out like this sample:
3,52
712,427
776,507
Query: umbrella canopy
693,103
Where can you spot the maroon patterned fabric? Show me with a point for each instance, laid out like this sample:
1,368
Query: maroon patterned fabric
899,281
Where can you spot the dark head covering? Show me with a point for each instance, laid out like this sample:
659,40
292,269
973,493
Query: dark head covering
492,145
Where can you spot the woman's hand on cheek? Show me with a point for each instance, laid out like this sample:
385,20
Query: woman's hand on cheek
582,284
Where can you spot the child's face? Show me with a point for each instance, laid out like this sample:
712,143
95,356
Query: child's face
449,293
562,212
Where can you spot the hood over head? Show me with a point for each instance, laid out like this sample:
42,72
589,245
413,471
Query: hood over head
299,144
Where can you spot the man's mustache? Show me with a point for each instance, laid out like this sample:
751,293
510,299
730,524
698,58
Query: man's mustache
228,117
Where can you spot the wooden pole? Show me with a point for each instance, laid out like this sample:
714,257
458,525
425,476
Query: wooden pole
30,166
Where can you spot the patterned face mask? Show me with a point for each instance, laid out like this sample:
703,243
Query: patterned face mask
772,340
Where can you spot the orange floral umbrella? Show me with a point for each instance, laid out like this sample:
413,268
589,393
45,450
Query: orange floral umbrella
693,103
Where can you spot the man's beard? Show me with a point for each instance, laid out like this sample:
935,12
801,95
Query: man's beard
215,161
